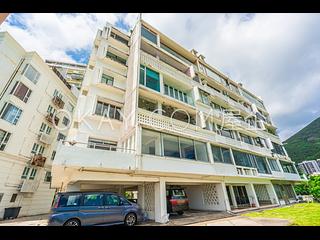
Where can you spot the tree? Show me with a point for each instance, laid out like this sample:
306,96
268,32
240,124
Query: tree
302,189
314,187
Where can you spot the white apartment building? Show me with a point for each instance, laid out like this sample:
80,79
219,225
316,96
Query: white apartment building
310,167
32,98
73,73
152,114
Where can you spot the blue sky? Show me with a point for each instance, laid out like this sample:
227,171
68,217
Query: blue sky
276,56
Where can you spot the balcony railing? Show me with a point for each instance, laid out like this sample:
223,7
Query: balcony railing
58,102
51,119
147,59
56,71
29,186
38,160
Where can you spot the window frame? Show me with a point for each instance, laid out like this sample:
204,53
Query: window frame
17,114
5,139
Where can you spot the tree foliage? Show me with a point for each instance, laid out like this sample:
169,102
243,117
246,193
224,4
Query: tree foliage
312,187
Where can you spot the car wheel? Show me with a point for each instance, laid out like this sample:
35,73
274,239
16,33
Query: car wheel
130,219
72,222
180,212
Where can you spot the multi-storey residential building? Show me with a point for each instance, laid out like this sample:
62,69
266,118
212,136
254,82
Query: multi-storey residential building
35,110
151,114
310,167
71,72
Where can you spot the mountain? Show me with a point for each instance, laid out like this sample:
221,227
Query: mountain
305,144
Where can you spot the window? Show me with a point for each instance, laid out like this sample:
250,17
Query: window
37,149
43,127
48,131
13,197
287,167
116,58
224,131
102,144
149,78
21,91
170,146
107,79
221,154
120,39
65,121
10,113
1,196
245,138
70,200
151,142
95,199
53,155
33,173
31,73
108,110
61,136
70,107
243,159
204,97
56,93
51,109
278,149
4,138
25,173
175,93
163,46
262,165
259,142
201,151
274,165
187,148
112,200
146,33
124,201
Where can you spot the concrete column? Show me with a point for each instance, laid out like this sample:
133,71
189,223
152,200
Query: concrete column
161,84
252,194
232,157
225,195
210,153
234,201
141,193
160,200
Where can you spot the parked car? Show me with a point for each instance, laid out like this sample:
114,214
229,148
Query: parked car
177,200
93,208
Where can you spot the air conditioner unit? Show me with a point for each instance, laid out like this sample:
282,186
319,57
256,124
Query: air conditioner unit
45,138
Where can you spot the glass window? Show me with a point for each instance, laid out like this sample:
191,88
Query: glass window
220,154
116,58
107,79
65,121
4,138
187,148
48,131
242,159
170,146
146,33
10,113
287,167
226,155
278,149
152,80
69,200
274,165
201,151
108,110
205,97
43,127
25,173
21,91
95,199
147,104
47,177
53,155
13,197
262,165
31,73
120,39
245,138
124,201
142,75
33,173
226,132
112,200
151,142
61,136
35,148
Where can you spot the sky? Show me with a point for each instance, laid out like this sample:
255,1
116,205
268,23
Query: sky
276,56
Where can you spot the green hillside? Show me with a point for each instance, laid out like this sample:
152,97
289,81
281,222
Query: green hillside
305,144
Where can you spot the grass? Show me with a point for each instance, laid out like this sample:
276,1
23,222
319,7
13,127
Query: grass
301,214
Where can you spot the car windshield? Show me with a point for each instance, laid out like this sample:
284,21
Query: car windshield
178,192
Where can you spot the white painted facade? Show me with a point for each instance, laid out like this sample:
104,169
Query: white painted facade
139,145
33,190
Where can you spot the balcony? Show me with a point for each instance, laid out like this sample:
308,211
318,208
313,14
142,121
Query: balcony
38,160
58,102
29,186
149,60
52,119
245,171
119,45
44,138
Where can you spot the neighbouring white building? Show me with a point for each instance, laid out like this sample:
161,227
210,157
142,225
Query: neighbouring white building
151,114
310,167
31,99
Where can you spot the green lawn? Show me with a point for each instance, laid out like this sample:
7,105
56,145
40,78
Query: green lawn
302,214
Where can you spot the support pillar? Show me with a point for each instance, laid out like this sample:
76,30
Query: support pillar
160,200
252,193
226,198
273,194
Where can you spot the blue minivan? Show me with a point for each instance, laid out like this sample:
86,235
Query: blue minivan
93,208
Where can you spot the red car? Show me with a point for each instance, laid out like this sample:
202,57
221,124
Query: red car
177,200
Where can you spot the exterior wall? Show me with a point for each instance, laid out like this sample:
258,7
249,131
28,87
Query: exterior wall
17,152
